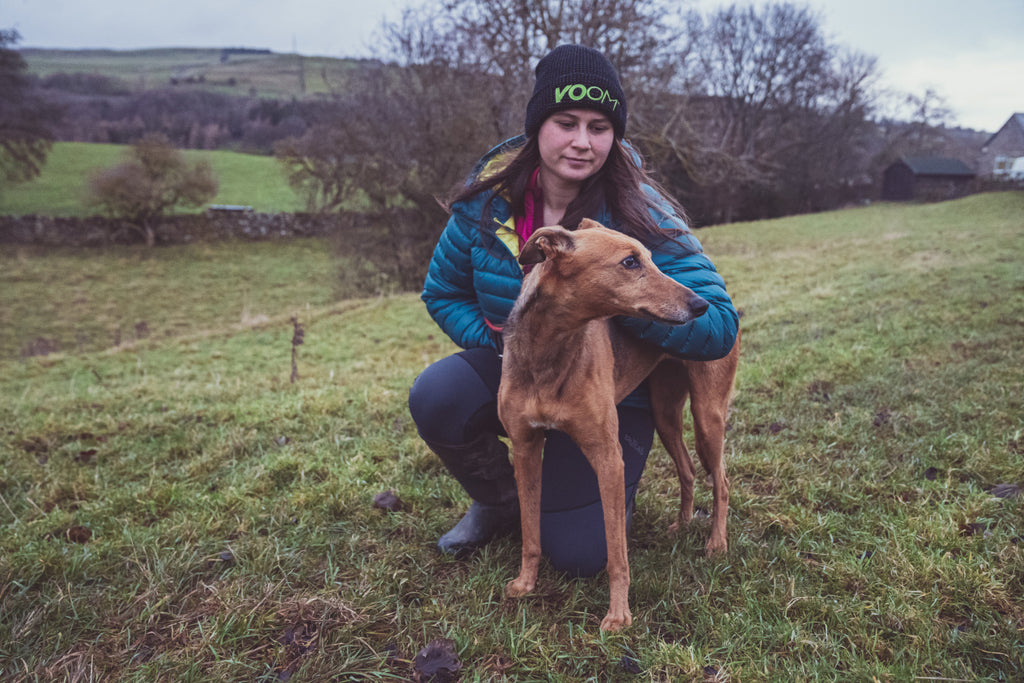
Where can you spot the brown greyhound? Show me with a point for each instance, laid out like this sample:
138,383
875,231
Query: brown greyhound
566,366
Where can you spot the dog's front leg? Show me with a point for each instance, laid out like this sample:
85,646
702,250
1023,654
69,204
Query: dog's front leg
611,480
600,444
527,455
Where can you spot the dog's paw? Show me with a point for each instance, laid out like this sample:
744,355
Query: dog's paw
683,519
518,587
716,546
616,621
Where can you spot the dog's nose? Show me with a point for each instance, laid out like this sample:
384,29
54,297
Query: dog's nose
699,306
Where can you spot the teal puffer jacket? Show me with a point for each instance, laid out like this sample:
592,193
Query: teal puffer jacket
474,276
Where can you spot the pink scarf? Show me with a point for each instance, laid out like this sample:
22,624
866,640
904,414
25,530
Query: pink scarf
532,216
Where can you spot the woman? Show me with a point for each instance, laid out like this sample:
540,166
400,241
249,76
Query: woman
571,164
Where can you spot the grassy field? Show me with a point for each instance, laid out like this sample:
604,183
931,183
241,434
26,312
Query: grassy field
76,301
246,179
174,508
264,75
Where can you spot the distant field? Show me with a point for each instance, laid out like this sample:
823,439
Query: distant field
264,75
246,179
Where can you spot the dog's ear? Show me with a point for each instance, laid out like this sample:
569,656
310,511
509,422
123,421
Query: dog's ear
588,223
546,243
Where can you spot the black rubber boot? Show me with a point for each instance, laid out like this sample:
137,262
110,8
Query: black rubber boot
479,526
483,469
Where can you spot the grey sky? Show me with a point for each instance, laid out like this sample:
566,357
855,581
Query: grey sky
971,52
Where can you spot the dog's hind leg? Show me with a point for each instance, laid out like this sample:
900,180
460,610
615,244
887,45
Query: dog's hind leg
710,393
669,390
709,430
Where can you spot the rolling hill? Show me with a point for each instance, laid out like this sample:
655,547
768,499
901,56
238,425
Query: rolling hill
235,71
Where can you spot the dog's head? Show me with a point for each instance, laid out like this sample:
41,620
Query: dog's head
605,273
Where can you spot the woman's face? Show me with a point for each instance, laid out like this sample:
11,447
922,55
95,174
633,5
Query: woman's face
574,145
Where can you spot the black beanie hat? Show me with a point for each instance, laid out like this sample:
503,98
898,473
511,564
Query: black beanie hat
576,77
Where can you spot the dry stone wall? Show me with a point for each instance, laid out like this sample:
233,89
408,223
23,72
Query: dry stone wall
99,231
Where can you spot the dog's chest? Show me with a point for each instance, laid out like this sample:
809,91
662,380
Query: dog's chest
556,394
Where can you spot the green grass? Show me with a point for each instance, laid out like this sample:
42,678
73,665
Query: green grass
73,300
251,180
227,520
61,189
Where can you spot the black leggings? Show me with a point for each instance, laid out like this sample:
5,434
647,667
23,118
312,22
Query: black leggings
454,401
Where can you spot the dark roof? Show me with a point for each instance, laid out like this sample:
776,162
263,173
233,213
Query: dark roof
938,166
1017,118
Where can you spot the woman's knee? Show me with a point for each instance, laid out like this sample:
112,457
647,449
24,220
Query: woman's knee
574,540
423,395
579,565
446,397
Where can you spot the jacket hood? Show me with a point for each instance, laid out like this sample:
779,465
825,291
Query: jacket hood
496,158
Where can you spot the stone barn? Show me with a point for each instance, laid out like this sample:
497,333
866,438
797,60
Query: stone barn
1002,156
926,178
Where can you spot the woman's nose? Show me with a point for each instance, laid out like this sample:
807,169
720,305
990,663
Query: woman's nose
582,137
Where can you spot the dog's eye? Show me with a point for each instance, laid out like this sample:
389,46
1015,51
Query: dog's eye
631,262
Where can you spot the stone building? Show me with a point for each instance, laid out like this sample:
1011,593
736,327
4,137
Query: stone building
1002,156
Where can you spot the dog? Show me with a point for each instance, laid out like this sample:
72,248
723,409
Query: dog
566,365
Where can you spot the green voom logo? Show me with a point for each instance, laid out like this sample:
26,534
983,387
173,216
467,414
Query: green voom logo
579,92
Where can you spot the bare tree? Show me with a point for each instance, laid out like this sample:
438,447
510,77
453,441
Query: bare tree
454,80
913,124
399,139
320,169
770,109
25,120
156,179
747,111
507,37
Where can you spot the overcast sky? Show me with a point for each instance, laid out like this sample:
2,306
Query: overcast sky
970,51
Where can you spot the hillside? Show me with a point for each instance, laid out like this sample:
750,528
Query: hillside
174,507
227,71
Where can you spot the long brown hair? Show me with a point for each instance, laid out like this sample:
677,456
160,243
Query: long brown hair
617,186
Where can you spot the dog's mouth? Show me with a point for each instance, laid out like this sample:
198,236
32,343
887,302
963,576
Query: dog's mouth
662,319
694,310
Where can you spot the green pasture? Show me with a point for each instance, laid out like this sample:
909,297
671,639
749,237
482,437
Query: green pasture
74,301
61,189
263,75
173,507
134,68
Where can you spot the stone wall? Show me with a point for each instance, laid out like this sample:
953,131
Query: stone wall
213,225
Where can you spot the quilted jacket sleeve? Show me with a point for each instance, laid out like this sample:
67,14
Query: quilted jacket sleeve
449,293
710,336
